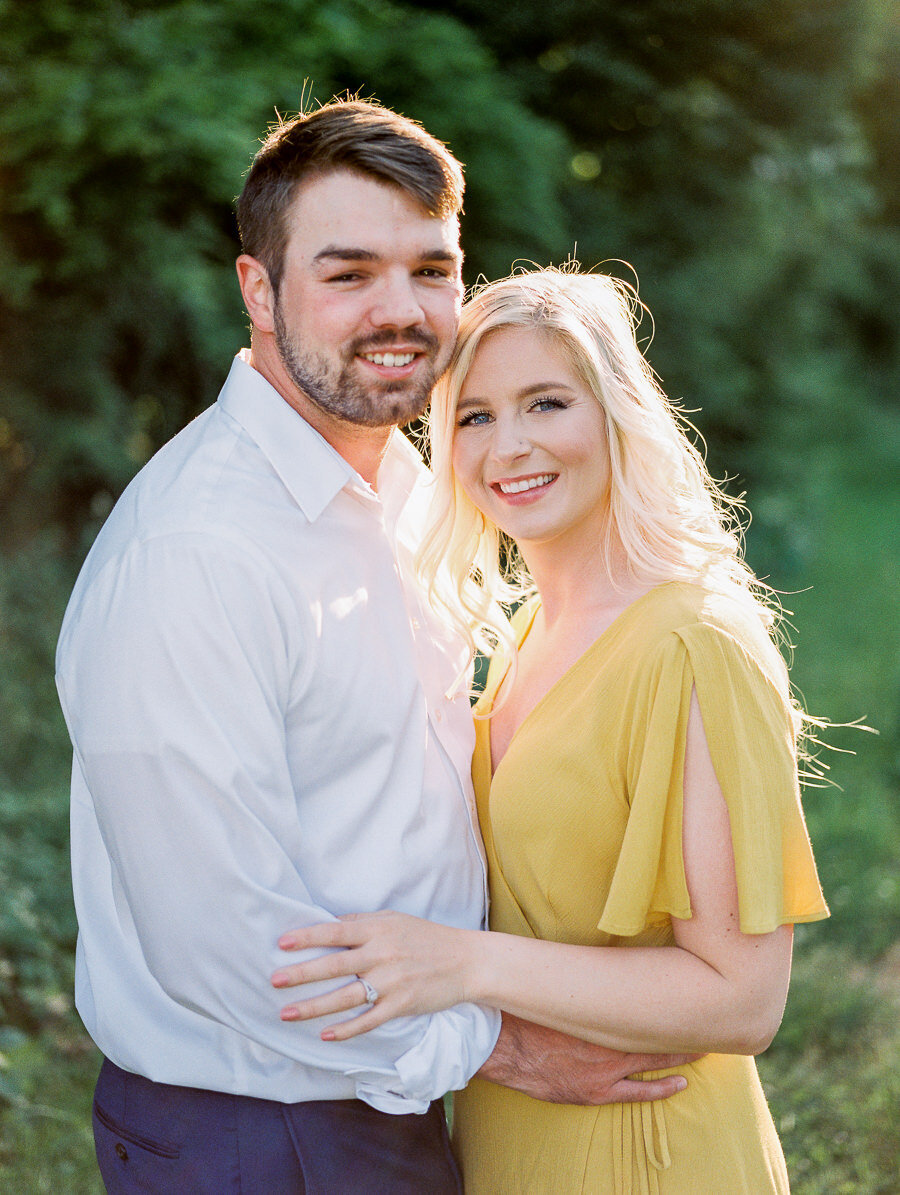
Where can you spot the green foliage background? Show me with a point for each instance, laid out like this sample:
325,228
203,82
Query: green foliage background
740,155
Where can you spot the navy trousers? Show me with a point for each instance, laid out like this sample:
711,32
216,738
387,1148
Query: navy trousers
153,1137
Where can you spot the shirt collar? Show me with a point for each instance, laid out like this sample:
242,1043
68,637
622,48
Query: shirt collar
311,470
402,472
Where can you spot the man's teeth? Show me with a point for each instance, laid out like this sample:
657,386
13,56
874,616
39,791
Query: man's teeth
528,483
389,359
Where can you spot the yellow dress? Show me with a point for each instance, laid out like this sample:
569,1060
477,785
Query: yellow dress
582,826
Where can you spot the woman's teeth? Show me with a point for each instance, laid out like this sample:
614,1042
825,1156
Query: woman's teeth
389,359
528,483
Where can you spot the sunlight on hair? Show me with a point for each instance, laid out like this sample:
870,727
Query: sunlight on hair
673,520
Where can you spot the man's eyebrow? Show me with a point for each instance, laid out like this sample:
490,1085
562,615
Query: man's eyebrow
348,253
443,255
353,253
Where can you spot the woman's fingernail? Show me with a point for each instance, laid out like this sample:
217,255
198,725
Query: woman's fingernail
286,942
327,1035
290,1014
279,980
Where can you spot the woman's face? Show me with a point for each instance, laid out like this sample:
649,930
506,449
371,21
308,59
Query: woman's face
530,447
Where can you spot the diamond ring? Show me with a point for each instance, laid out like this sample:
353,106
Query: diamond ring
371,993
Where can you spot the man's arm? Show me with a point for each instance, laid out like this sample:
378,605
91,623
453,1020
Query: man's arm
176,667
552,1066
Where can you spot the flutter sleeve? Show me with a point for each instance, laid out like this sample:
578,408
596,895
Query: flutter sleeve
749,724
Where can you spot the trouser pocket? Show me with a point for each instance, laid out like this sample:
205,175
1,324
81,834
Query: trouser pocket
130,1161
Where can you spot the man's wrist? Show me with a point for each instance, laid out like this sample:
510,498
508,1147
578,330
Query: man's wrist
504,1063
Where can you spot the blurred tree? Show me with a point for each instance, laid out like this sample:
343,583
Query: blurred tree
878,103
125,127
741,155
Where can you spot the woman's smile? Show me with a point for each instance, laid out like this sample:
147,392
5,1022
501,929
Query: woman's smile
525,489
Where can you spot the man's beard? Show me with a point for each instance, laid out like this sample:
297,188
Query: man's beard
341,394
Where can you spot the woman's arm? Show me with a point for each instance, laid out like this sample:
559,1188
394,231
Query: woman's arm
716,990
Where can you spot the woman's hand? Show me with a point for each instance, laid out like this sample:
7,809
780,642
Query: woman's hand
414,966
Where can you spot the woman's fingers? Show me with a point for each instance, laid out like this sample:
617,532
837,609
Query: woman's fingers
351,995
362,1024
410,963
328,933
329,966
349,935
350,929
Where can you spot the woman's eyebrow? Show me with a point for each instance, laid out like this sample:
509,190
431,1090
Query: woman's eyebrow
536,387
525,392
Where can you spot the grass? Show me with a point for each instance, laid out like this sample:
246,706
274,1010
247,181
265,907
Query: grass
847,666
46,1086
833,1075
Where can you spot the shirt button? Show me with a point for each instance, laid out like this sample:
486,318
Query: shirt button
121,1151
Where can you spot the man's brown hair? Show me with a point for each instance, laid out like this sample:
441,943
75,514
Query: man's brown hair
343,135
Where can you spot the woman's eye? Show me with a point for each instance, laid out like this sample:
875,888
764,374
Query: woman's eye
546,403
473,419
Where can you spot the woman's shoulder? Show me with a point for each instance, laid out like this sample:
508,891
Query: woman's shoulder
694,614
681,605
726,636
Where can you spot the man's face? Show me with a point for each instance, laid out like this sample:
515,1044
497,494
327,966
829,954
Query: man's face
368,306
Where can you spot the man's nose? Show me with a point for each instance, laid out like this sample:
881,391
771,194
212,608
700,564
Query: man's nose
396,305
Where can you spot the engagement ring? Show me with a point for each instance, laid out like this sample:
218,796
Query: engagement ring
371,993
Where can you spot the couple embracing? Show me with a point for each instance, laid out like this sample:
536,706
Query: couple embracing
287,825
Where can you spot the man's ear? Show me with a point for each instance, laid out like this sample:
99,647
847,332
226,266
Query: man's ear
259,298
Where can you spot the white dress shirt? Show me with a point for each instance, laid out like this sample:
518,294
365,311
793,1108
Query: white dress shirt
256,695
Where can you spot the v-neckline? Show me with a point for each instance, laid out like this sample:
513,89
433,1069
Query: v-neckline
576,664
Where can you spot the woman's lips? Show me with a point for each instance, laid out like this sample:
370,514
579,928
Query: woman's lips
519,490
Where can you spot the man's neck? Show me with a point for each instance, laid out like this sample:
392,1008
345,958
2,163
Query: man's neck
361,447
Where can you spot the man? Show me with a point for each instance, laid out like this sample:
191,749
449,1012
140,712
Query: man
257,695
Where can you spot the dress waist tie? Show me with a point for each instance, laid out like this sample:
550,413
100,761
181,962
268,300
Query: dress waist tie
643,1152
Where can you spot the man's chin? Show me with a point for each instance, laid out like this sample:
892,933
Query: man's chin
396,404
393,415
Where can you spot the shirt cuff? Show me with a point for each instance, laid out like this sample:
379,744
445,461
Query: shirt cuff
456,1045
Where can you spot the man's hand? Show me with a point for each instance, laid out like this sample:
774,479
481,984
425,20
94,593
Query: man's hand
552,1066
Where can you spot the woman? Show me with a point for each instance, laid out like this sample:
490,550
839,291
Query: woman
636,767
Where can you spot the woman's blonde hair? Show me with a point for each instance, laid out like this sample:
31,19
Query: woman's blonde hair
670,517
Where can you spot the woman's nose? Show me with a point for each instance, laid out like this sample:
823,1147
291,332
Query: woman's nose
510,442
